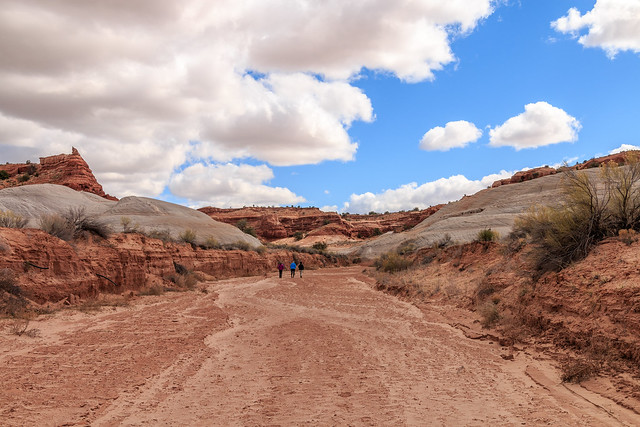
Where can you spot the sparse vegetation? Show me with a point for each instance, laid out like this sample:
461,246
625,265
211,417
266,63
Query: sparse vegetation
8,282
9,219
320,246
576,371
406,247
488,313
298,235
487,235
238,245
24,177
210,243
188,236
246,228
57,226
164,235
392,262
128,226
4,175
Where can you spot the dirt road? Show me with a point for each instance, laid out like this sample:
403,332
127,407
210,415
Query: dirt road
325,349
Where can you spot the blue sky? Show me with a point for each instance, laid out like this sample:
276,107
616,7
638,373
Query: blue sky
174,102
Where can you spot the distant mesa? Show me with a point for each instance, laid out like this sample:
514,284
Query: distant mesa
70,170
530,174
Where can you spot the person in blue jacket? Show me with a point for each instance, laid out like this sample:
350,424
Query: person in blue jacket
293,269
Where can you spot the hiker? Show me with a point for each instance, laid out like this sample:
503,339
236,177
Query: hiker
280,268
293,269
300,268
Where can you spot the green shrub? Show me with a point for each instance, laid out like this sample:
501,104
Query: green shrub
298,235
9,219
487,235
24,178
377,232
392,262
4,175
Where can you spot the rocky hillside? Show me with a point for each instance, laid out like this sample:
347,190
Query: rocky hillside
69,170
272,224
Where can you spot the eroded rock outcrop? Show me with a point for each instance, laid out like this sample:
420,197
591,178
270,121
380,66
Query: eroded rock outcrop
70,170
272,224
50,269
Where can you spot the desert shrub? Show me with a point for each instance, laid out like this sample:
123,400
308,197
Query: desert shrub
406,247
164,235
326,222
57,226
392,262
320,246
210,243
128,226
153,291
81,223
188,236
443,242
260,249
623,191
24,178
377,232
298,235
244,226
628,236
4,175
576,371
488,313
487,235
9,219
8,282
238,245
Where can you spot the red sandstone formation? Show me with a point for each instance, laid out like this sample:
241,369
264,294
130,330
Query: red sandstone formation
70,170
132,261
619,158
277,223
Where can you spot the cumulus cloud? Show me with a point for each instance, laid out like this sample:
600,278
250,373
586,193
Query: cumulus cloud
229,185
540,124
412,195
613,25
454,135
332,208
624,147
222,80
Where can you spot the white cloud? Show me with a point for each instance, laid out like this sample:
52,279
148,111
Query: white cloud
540,124
613,25
243,78
412,195
229,185
454,135
332,208
624,147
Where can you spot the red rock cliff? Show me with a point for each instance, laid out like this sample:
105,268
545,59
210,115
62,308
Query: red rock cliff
70,170
132,261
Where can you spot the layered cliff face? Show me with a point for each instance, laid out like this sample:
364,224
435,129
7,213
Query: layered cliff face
70,170
50,269
272,224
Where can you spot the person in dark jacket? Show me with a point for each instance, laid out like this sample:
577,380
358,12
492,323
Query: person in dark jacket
280,268
293,269
300,268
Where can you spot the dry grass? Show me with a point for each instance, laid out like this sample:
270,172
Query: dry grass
8,219
578,370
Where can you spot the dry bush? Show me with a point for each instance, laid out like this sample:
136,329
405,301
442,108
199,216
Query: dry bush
57,226
96,304
153,291
578,370
81,223
489,313
260,249
628,236
392,262
210,243
128,226
164,235
238,245
20,327
624,192
8,219
8,282
188,236
406,247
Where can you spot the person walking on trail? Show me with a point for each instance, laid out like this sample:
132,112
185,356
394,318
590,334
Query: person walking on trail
300,268
293,269
280,268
